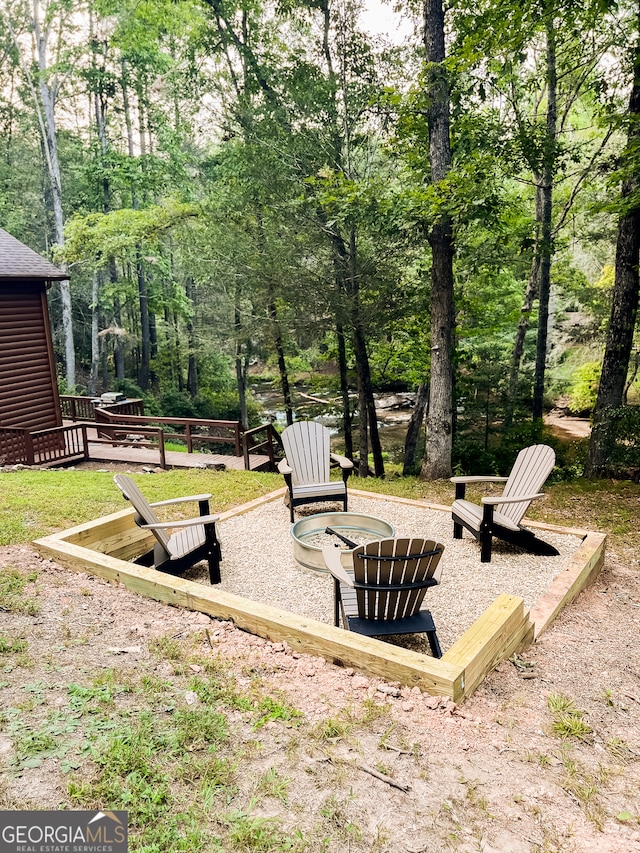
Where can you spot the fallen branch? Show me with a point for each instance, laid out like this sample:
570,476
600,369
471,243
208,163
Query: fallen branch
317,399
390,746
384,778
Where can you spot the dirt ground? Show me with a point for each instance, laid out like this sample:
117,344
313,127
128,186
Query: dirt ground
489,775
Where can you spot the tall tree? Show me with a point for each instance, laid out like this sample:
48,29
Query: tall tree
626,289
44,68
437,457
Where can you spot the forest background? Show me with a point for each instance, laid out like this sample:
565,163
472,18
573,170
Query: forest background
268,187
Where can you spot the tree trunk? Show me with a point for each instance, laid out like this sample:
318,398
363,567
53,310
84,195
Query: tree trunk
344,392
544,289
282,362
47,87
118,345
192,370
413,430
241,363
626,289
144,371
362,357
437,458
523,326
95,340
144,368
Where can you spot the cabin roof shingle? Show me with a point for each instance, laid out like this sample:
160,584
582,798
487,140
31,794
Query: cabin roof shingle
19,261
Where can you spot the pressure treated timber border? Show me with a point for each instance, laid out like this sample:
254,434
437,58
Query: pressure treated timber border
102,547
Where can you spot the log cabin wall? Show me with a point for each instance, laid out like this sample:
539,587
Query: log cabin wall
28,383
28,386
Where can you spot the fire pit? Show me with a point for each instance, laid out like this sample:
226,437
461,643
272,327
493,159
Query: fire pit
310,537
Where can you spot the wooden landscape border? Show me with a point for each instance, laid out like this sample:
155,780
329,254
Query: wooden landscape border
104,546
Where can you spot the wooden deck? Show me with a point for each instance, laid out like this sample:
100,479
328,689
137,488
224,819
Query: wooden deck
175,459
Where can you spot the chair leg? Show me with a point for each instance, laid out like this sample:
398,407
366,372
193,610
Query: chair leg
457,530
486,526
336,602
434,644
485,546
215,554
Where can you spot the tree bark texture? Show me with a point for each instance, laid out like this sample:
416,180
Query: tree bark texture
626,290
437,457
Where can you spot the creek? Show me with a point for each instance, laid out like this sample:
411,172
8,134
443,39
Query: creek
393,411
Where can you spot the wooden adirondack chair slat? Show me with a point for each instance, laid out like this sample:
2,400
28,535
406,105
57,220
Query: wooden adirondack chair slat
529,473
307,464
191,543
369,609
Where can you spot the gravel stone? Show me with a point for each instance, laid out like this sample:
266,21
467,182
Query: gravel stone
258,564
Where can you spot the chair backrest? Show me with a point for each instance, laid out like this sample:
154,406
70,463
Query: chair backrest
394,562
144,513
306,446
530,470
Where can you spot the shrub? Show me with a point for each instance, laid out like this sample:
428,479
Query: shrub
583,388
623,440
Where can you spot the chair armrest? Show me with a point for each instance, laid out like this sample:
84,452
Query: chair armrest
342,461
284,467
331,557
184,522
475,478
188,499
521,499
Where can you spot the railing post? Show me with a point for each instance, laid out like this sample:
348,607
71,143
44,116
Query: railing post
28,446
85,441
237,438
245,452
272,456
163,457
187,432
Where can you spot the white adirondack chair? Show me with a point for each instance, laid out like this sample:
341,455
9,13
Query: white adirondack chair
307,463
385,593
501,516
194,540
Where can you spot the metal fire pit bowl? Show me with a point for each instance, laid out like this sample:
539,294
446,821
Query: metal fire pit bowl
357,526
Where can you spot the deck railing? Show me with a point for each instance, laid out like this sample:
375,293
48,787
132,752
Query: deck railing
43,446
121,437
62,443
260,440
193,431
83,408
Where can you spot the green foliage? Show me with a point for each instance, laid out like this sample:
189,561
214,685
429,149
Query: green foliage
583,388
133,392
623,440
225,405
97,237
